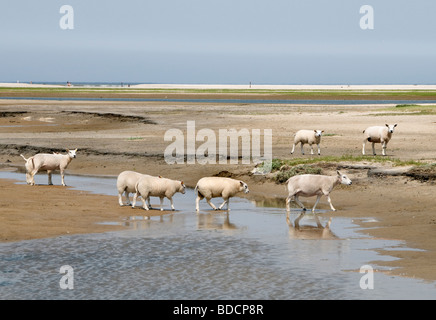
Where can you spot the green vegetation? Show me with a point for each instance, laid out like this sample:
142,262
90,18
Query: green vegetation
277,163
410,109
135,138
286,172
283,94
282,170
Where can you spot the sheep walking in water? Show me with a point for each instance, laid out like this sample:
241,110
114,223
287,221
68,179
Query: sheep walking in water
148,186
126,183
307,136
378,134
48,162
213,187
309,185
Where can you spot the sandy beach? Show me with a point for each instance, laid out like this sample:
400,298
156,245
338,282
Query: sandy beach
115,136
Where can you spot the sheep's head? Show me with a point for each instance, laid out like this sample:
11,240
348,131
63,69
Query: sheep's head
391,128
318,133
182,187
243,187
72,153
344,179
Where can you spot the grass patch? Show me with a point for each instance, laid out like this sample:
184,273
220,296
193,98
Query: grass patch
277,163
412,109
283,169
286,172
283,93
135,138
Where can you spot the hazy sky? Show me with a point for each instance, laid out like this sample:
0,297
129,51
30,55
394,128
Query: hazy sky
219,42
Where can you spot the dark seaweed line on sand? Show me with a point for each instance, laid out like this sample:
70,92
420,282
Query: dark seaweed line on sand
16,150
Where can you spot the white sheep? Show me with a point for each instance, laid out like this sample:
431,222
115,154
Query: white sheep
47,162
308,185
126,183
213,187
307,136
149,186
378,134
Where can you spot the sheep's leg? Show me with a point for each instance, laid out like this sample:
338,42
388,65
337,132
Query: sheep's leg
172,204
144,203
302,149
62,176
211,204
384,148
330,202
311,149
319,150
316,202
226,201
135,196
32,177
149,204
27,177
161,203
126,194
293,148
363,147
373,148
299,203
49,177
197,203
288,203
120,199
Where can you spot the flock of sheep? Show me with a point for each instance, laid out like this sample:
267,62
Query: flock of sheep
147,186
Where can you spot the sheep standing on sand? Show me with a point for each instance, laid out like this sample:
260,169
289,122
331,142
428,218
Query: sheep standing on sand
307,136
126,183
378,134
213,187
149,186
47,162
308,185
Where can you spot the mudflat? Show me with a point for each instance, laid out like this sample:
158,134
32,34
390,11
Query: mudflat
397,195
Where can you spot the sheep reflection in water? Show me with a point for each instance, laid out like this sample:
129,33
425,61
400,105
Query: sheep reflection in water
308,232
213,221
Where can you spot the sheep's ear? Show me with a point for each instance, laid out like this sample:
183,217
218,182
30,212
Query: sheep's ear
68,150
386,125
314,131
181,183
337,171
395,125
75,150
241,183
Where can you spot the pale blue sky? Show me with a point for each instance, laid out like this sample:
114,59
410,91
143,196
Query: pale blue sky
222,42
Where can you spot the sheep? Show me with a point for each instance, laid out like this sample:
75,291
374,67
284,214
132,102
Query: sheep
126,183
48,162
378,134
157,187
307,136
212,187
308,185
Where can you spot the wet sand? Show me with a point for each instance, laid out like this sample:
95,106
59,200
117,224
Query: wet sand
402,207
